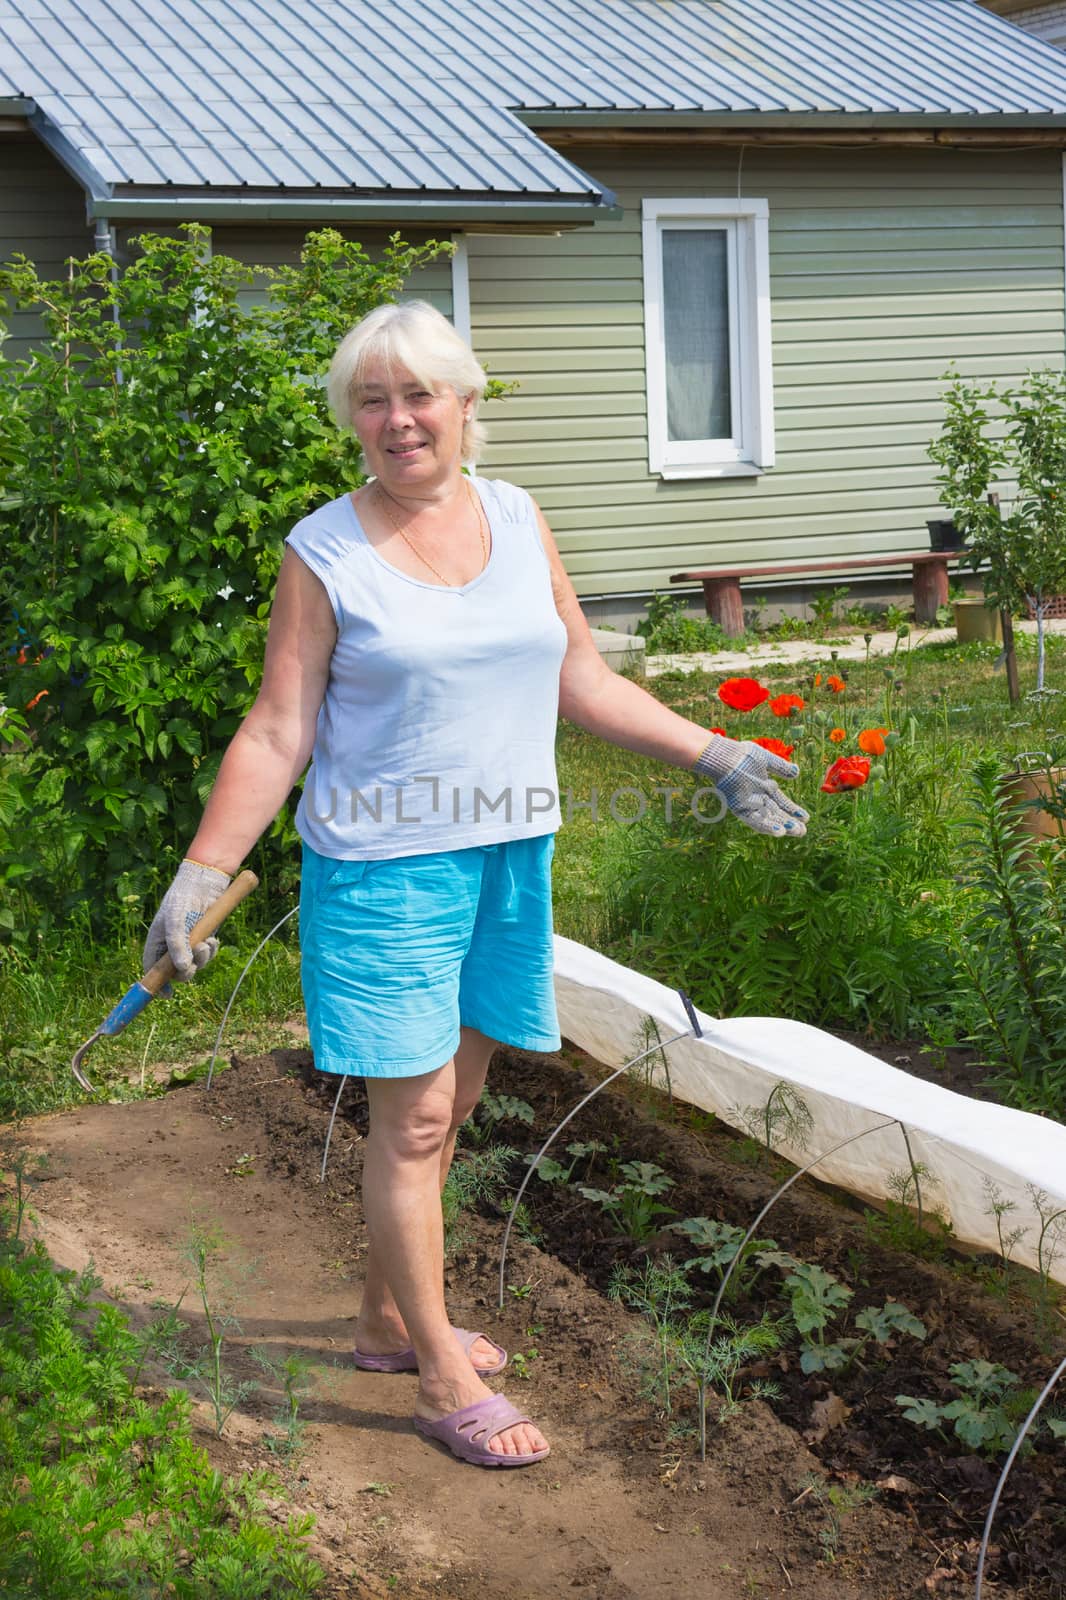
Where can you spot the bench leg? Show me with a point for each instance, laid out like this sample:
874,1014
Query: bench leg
930,589
721,597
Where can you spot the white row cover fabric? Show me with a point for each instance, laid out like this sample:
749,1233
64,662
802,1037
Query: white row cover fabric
979,1156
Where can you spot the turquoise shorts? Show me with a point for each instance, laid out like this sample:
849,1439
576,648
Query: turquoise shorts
397,955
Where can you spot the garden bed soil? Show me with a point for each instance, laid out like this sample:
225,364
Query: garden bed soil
952,1067
623,1509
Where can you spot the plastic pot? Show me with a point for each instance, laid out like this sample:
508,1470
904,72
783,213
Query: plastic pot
944,534
975,620
1032,781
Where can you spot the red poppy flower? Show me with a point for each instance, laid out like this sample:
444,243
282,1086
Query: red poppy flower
847,772
872,741
719,730
785,704
742,694
777,747
836,684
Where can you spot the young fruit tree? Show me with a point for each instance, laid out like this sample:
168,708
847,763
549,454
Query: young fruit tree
1021,544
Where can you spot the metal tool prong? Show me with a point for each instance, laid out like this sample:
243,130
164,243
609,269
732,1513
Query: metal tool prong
75,1065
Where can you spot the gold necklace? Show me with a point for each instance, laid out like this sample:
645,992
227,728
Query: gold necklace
384,497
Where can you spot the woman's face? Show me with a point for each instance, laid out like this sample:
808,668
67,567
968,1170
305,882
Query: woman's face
411,436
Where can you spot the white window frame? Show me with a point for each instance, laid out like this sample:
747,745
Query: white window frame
750,448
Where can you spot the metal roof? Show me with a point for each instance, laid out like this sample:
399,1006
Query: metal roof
947,59
274,95
429,101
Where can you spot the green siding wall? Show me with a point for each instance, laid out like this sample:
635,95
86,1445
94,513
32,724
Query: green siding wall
42,214
885,266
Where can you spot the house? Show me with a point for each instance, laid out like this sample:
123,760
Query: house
1044,18
727,247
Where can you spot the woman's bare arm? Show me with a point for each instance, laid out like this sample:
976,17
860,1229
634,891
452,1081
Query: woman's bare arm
273,744
600,701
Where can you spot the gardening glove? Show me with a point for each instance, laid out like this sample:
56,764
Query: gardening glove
743,773
194,889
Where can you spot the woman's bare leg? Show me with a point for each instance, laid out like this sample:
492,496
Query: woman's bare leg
379,1327
410,1127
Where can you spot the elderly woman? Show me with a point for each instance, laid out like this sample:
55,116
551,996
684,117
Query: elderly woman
424,637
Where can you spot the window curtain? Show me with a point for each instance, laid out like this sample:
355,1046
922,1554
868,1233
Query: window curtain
699,403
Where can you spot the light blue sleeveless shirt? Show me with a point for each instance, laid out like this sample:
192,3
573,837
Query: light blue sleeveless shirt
437,730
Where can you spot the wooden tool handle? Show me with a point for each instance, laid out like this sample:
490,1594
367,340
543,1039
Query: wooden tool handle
158,976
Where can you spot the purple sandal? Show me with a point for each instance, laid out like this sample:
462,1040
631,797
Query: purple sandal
468,1432
407,1361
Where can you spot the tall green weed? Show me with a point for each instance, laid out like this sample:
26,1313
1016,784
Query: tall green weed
1010,949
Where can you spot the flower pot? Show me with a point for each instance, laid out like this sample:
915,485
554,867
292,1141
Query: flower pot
975,620
944,534
1031,781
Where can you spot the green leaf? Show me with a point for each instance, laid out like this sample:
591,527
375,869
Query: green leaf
973,1426
646,1177
51,788
828,1357
550,1171
816,1296
888,1319
925,1413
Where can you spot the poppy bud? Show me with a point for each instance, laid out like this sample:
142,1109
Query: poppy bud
820,718
903,630
877,772
867,637
891,740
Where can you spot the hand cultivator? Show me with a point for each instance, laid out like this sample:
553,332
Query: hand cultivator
156,978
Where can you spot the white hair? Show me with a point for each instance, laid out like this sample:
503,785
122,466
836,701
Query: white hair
415,338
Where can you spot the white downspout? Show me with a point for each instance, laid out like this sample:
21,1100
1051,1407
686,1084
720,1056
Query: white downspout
104,243
461,287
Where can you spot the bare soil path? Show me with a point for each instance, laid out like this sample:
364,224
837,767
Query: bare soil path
620,1511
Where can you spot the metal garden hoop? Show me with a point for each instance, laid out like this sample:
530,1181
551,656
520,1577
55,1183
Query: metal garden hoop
659,1045
236,987
774,1198
225,1017
1015,1447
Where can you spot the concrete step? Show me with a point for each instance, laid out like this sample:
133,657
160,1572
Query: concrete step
619,649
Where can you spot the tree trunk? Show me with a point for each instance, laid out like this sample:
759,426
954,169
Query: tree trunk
1038,607
1009,656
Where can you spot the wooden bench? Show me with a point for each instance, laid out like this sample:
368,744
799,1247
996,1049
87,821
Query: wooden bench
721,587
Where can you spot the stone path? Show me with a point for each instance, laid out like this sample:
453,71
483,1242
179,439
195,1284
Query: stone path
796,651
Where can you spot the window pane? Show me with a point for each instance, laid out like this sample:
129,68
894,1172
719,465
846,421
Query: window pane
696,327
